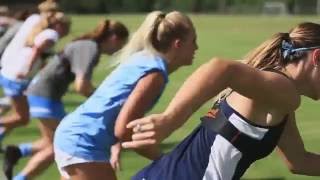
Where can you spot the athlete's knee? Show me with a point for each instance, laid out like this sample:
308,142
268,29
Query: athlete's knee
49,153
42,143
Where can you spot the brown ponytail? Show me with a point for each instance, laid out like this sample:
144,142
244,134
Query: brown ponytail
270,53
104,30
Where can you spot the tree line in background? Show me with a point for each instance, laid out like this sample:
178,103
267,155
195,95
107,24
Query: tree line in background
214,6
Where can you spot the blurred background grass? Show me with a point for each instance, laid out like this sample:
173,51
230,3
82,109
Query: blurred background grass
218,35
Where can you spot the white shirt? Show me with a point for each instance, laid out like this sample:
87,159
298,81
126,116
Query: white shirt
20,38
19,63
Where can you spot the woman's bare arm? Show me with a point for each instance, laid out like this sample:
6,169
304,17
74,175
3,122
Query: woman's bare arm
140,100
293,152
205,83
83,86
35,54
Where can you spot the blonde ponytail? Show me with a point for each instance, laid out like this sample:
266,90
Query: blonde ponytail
156,33
140,38
48,6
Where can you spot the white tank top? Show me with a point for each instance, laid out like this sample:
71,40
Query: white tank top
19,62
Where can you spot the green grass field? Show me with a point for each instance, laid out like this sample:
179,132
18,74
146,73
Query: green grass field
222,36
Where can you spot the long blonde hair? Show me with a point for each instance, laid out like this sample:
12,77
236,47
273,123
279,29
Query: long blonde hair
270,54
156,33
47,22
48,6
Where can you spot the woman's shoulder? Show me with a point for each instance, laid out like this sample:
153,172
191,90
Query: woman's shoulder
268,87
147,59
49,32
34,18
285,86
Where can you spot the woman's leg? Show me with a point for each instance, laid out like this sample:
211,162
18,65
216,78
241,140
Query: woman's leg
43,155
19,115
5,104
91,171
14,152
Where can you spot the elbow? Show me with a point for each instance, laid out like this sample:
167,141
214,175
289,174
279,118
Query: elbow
302,165
82,90
78,89
120,131
295,170
223,64
83,87
224,68
215,61
121,136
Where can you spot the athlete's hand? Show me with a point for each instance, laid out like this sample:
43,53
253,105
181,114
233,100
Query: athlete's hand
115,156
149,130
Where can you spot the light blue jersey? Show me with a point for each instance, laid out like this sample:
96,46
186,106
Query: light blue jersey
88,132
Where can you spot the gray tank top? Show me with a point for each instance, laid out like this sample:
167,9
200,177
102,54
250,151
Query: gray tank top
77,59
